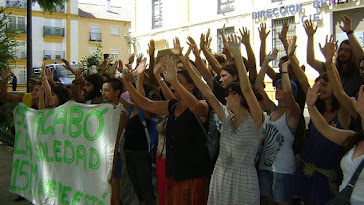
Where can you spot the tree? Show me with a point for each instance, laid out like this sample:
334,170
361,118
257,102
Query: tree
7,41
47,5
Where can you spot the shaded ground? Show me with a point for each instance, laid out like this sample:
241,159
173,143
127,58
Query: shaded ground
6,160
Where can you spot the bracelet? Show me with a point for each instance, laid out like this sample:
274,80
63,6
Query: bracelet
284,72
349,32
160,79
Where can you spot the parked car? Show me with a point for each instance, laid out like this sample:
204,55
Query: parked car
61,74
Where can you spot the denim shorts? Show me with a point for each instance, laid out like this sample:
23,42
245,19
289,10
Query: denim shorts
117,168
278,186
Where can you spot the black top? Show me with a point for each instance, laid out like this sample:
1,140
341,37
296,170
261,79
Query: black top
187,155
218,90
135,138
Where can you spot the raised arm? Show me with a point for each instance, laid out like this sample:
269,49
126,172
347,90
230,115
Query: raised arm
200,65
252,65
263,36
328,50
283,35
298,71
338,136
210,58
355,46
246,89
200,108
150,71
293,109
163,86
225,41
359,104
157,107
311,60
47,87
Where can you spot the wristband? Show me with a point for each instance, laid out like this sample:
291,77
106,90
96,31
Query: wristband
349,32
160,79
284,72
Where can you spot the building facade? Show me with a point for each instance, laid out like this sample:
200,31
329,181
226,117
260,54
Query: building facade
67,32
162,20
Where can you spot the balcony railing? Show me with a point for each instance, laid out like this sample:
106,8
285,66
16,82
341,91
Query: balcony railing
20,55
16,4
17,28
53,31
96,37
53,55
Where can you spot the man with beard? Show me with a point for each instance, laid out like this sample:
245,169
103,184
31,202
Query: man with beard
348,57
92,87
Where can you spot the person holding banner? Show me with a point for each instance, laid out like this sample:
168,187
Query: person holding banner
111,91
187,160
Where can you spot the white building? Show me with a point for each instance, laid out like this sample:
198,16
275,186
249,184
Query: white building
162,20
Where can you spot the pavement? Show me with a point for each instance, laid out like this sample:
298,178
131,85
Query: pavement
6,160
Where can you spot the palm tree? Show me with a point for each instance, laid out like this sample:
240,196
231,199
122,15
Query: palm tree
47,5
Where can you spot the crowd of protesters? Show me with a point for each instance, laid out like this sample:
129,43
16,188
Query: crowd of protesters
266,155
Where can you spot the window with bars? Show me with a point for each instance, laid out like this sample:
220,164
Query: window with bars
157,13
20,50
20,73
17,24
224,6
220,43
115,54
115,31
276,42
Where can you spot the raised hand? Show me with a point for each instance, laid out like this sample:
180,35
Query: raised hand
263,31
104,65
120,66
347,23
193,45
208,39
312,94
127,76
177,49
141,67
292,46
234,44
139,58
131,59
271,55
169,68
329,48
283,34
78,73
151,48
203,43
66,64
285,66
310,31
245,36
157,70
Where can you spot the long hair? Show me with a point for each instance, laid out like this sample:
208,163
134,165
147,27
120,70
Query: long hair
62,93
352,140
235,88
320,104
195,92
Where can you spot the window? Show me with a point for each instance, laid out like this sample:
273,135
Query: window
157,13
276,29
115,31
114,54
95,34
220,43
224,6
20,73
17,24
20,50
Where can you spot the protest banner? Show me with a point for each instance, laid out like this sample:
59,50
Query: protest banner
64,155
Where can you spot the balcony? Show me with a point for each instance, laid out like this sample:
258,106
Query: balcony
17,28
53,31
16,4
59,9
95,37
53,55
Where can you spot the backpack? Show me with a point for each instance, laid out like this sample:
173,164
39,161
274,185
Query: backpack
212,136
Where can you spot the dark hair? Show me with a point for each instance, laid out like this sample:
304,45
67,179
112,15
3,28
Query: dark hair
220,58
196,92
97,81
335,105
353,140
338,61
231,69
63,94
235,87
115,84
107,76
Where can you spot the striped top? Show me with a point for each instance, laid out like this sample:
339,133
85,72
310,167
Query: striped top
235,180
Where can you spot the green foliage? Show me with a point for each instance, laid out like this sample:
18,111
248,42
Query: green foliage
92,60
49,5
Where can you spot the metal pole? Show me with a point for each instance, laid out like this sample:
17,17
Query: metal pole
29,42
